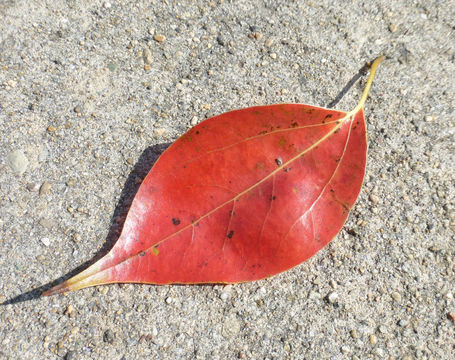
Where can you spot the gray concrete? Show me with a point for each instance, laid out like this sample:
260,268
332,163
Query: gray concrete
88,95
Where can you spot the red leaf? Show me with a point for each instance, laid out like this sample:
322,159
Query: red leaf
240,197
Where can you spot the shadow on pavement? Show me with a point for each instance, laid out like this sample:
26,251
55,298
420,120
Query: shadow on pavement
140,170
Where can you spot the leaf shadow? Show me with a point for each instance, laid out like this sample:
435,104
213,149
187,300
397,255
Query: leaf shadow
140,170
349,85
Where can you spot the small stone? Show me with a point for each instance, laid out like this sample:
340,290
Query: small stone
396,296
345,349
169,300
45,188
226,293
147,67
451,316
70,182
46,241
76,237
221,40
403,323
373,339
429,118
332,297
78,110
107,5
32,187
74,330
374,198
273,56
159,131
354,334
130,161
159,38
382,329
51,128
268,42
69,311
17,162
194,120
333,284
71,355
147,56
393,28
154,331
258,35
109,336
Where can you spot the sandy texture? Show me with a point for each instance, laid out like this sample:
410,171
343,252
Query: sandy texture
90,94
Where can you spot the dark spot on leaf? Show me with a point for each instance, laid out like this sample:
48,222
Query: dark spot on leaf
278,161
336,131
328,116
197,132
272,198
176,221
294,124
231,234
263,132
142,253
287,169
156,246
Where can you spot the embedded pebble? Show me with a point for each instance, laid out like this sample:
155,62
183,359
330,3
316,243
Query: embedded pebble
159,131
393,28
373,339
226,293
403,322
45,188
109,336
169,300
32,187
159,38
147,56
194,120
332,297
17,162
46,241
396,296
69,311
374,198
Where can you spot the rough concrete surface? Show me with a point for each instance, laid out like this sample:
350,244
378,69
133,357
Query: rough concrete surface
90,94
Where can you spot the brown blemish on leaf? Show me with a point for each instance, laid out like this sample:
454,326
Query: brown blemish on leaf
278,161
176,221
230,234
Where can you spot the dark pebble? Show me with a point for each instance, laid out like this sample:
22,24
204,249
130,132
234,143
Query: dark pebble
109,336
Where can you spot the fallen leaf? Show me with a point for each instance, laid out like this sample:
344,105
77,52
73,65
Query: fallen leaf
241,196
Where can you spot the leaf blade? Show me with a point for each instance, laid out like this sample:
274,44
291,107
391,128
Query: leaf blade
214,209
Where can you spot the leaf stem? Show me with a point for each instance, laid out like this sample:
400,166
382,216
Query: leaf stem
361,103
